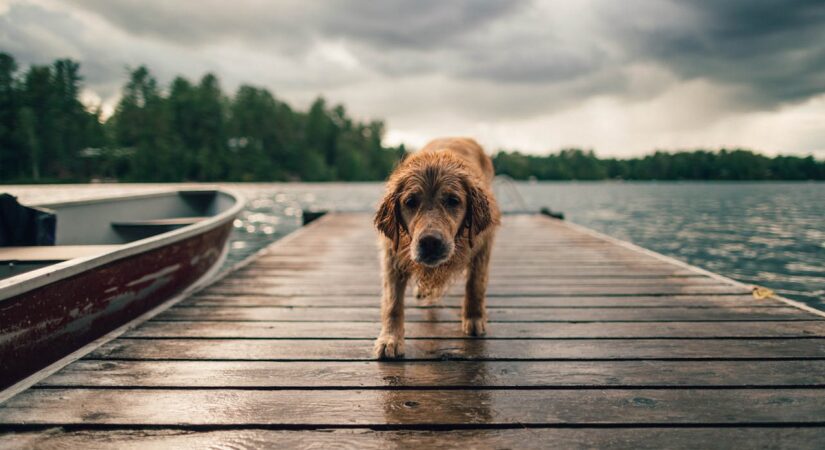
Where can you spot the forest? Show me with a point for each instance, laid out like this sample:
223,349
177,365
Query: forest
724,164
193,131
184,132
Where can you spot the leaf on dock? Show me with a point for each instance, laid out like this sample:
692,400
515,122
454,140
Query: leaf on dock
761,293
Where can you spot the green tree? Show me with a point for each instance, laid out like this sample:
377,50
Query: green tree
11,152
255,143
37,116
211,137
141,129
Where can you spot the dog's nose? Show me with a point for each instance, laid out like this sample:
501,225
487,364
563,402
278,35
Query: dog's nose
431,248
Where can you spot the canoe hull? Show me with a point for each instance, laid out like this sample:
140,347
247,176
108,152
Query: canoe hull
45,324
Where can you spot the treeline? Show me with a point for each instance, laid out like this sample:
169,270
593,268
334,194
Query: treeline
735,164
184,132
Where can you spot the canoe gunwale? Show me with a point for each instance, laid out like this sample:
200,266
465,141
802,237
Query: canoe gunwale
20,284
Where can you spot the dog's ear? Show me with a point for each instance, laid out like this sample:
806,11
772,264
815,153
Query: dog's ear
388,219
478,217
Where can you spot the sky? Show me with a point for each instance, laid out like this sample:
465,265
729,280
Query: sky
621,77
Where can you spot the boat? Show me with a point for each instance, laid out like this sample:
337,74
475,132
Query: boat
105,262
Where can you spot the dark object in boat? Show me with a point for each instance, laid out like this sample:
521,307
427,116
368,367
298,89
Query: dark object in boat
114,259
24,225
308,216
550,213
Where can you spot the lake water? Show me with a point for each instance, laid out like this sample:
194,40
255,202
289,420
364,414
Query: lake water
770,234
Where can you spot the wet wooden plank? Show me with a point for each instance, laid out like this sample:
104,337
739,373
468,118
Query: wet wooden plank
455,349
252,289
536,260
515,263
686,301
468,374
500,271
510,278
501,330
351,241
494,284
656,314
366,439
416,407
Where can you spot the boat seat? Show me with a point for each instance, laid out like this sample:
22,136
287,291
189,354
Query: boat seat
52,252
169,222
133,230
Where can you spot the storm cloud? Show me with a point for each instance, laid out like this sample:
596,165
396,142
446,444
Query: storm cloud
623,77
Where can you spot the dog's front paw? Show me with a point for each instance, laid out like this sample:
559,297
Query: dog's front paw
388,346
474,326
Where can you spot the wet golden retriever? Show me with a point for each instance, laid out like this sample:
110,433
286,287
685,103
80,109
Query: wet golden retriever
437,221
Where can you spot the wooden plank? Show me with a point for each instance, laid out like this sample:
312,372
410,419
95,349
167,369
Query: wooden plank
686,301
496,273
511,276
469,374
547,266
416,407
437,314
494,284
505,245
367,439
501,330
368,261
513,284
542,268
375,290
547,253
456,349
592,261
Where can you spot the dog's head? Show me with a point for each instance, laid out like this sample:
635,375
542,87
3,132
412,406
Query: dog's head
434,199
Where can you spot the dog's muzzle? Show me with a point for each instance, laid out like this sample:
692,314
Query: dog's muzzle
431,250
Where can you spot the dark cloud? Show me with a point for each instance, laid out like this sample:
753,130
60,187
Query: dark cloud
774,50
421,24
386,24
34,35
39,34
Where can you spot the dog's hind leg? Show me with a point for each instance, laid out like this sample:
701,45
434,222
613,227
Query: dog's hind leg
473,309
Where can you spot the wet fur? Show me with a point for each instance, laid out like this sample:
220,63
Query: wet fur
450,165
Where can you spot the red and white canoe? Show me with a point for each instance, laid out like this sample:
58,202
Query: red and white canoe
114,259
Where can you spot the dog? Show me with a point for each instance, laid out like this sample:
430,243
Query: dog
437,220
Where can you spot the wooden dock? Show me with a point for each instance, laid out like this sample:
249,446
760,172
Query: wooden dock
592,343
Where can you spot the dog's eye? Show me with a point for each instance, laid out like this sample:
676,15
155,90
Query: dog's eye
452,201
411,202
